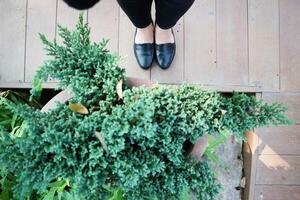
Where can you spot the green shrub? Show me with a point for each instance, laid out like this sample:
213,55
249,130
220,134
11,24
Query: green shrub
87,68
153,124
138,151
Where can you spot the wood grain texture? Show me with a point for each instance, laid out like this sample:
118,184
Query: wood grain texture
176,71
204,87
200,44
67,16
232,42
35,54
213,30
289,100
263,22
12,40
289,45
278,170
126,41
279,140
250,154
274,192
103,19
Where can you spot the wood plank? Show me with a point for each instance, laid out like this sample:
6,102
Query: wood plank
263,23
204,87
250,154
278,170
289,100
35,54
200,44
103,19
175,73
290,45
279,140
67,16
12,40
26,85
126,41
232,46
274,192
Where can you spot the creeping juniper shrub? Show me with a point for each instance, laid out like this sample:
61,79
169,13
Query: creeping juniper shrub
87,68
148,131
61,144
144,132
244,113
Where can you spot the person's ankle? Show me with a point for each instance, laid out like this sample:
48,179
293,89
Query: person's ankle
145,35
163,36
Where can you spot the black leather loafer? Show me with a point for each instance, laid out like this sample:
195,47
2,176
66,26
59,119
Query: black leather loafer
144,54
165,54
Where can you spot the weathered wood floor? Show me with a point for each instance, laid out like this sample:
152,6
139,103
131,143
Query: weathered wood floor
244,45
225,44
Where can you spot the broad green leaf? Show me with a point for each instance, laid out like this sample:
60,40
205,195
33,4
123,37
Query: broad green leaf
14,120
5,122
117,195
50,195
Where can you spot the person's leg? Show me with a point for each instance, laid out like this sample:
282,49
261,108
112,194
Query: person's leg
168,12
139,13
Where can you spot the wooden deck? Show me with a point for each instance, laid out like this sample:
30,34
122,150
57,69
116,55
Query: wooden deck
243,45
224,44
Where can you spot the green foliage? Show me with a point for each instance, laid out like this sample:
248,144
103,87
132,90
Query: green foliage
87,68
244,113
9,121
59,146
144,135
59,190
185,194
141,154
63,145
7,182
13,124
213,143
116,194
157,121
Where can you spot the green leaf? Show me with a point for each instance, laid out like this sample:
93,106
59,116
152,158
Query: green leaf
50,195
5,122
117,195
13,120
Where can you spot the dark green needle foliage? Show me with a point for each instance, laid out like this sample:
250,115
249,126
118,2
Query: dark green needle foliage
140,153
87,68
244,113
154,123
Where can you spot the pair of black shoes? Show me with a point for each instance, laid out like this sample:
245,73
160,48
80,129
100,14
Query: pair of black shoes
146,52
